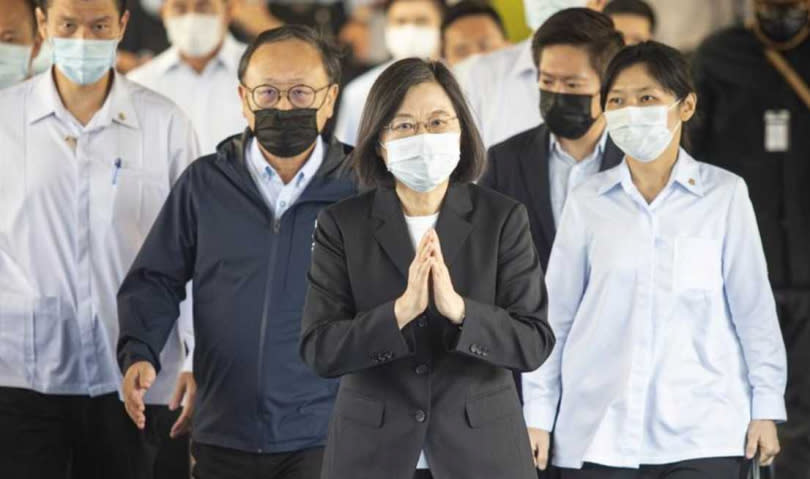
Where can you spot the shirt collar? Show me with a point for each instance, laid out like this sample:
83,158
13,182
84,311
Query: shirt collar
117,106
686,173
524,64
308,171
555,146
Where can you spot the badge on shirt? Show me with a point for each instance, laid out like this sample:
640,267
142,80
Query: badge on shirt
777,131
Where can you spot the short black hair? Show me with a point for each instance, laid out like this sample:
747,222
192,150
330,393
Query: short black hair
440,4
638,8
121,5
384,100
667,65
580,27
330,54
471,8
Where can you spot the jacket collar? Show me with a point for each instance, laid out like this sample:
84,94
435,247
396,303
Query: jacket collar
453,225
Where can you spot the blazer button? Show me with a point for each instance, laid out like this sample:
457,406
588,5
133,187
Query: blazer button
422,369
474,349
420,416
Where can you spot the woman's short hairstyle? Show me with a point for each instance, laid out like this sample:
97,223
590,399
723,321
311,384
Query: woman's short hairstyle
384,101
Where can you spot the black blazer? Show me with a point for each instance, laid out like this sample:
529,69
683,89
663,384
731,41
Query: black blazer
518,168
433,384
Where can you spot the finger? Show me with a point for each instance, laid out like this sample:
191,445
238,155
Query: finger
542,460
438,246
751,446
181,426
177,396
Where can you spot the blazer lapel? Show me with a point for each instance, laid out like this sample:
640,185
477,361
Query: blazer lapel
392,232
613,156
534,162
453,227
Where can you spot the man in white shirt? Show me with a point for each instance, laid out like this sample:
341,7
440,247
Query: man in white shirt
501,87
412,30
199,71
19,40
88,159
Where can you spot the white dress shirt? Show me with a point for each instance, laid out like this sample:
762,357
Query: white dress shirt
210,98
668,343
501,88
352,102
279,196
77,202
566,173
417,227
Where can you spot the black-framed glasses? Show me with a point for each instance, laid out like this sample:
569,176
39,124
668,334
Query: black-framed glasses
405,127
299,96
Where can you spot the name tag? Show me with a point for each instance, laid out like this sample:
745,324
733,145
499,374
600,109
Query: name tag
777,131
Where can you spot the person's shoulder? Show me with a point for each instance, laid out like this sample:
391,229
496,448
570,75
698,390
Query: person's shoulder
729,43
13,101
715,179
490,203
148,73
510,146
363,83
489,65
150,104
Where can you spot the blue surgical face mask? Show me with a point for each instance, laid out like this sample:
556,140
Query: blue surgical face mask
14,63
83,61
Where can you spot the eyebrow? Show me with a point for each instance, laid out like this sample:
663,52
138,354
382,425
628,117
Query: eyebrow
434,112
564,77
634,90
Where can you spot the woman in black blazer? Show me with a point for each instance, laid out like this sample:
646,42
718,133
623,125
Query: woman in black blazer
424,323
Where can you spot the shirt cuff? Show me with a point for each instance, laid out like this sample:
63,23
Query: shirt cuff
188,363
539,417
768,406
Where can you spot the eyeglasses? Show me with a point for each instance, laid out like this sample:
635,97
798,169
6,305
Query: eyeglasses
404,128
299,96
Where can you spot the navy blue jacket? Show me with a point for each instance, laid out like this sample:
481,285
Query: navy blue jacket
250,278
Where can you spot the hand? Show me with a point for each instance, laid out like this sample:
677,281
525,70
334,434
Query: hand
540,441
137,381
448,302
414,301
186,388
762,436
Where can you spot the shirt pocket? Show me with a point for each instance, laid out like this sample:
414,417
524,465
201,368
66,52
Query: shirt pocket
131,199
697,265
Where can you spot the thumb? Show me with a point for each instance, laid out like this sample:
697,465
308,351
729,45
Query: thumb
146,376
179,393
751,447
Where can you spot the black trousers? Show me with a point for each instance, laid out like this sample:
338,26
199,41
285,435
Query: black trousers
79,437
711,468
212,462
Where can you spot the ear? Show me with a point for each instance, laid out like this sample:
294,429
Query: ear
42,22
35,49
688,107
124,23
243,96
331,100
597,5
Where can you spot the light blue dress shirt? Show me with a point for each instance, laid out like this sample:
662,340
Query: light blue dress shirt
566,173
281,197
668,343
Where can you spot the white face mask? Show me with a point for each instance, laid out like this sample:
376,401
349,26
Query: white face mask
538,11
409,40
195,35
14,63
642,133
423,162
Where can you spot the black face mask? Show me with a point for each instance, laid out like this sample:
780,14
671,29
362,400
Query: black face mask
286,133
782,23
567,116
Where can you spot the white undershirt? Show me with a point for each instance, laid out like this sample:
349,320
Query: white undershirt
417,227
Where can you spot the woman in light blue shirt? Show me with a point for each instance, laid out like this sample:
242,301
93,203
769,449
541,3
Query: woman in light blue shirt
669,360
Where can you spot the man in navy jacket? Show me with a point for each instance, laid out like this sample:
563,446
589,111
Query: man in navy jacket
240,224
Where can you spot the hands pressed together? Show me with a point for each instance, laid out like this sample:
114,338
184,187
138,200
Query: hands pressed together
428,264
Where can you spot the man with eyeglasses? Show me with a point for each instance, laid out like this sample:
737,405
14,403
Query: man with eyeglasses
240,223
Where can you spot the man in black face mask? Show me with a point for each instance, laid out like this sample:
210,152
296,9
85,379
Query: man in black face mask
540,166
240,223
756,123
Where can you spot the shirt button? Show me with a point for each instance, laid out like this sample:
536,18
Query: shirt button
283,204
422,369
421,322
420,416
